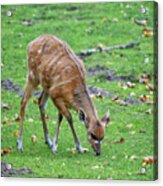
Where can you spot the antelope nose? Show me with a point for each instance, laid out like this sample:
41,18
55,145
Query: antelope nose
97,153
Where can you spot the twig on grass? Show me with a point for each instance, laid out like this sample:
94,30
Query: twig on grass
88,52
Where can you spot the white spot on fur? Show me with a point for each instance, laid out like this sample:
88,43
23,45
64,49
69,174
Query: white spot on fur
39,51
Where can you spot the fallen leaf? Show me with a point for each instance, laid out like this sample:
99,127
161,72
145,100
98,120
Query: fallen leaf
15,133
147,32
5,151
6,121
130,85
75,151
142,131
121,140
145,78
134,157
149,111
129,126
100,46
150,87
99,95
149,160
141,22
34,138
131,132
85,150
116,99
16,117
144,98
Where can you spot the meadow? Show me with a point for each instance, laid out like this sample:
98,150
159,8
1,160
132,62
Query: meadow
127,75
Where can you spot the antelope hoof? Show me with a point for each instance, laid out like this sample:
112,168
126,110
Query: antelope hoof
80,149
49,142
19,145
54,149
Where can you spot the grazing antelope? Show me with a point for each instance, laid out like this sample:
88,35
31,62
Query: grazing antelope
53,64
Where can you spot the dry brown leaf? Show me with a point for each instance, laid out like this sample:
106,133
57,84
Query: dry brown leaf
144,98
150,87
130,85
145,78
115,99
147,32
5,151
16,117
99,95
16,133
121,140
149,160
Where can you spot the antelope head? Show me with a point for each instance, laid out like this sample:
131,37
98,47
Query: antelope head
95,130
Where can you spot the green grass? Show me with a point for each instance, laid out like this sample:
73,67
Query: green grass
115,160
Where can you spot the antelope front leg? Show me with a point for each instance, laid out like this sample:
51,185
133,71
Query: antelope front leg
70,121
55,139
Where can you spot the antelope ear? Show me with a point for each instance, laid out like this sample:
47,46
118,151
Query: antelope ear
106,119
82,116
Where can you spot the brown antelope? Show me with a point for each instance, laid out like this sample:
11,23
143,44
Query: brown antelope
53,64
